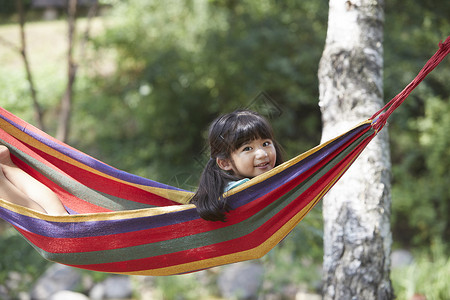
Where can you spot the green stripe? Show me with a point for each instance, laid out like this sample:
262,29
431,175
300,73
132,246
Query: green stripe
201,239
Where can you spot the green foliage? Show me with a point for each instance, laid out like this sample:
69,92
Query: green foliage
15,94
419,128
8,7
19,257
420,205
297,259
180,64
427,276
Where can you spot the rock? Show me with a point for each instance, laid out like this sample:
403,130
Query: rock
97,292
56,278
114,287
241,280
68,295
118,287
23,296
307,296
3,293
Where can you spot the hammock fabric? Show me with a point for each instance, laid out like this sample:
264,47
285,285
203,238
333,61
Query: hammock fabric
122,223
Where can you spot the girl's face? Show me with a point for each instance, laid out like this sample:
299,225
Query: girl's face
251,159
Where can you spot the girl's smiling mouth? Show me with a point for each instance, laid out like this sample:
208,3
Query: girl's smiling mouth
263,165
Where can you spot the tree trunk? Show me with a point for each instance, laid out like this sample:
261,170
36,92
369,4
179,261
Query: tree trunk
357,237
38,114
66,101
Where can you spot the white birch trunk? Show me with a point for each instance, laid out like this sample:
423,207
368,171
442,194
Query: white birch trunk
357,237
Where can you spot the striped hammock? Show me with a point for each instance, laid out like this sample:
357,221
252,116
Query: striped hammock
125,224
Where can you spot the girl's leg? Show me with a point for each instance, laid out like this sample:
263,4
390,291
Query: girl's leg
12,194
34,194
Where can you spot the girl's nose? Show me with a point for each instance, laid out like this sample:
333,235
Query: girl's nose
261,153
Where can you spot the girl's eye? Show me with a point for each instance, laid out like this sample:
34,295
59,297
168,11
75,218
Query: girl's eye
267,143
248,148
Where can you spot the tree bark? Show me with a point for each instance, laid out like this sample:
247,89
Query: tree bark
356,212
66,101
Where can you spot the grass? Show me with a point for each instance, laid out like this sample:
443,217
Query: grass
46,43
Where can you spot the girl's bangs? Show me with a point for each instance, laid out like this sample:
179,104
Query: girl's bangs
248,129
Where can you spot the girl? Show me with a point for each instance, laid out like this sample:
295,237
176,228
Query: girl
20,188
242,146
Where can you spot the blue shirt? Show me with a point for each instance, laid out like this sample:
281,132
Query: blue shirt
233,184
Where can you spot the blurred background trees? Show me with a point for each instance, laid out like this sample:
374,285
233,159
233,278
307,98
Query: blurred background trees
155,73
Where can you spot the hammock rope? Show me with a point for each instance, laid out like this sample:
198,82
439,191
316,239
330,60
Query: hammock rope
122,223
433,62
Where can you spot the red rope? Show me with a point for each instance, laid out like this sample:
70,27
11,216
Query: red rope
444,49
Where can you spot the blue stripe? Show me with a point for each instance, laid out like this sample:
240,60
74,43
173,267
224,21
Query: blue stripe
94,228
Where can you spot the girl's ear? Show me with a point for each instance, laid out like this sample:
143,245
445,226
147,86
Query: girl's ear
224,164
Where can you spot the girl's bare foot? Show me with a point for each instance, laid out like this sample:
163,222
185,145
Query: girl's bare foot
21,188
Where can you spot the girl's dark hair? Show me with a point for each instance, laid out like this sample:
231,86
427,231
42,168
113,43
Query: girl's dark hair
226,134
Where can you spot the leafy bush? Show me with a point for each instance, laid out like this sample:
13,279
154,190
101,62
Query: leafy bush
421,179
427,276
420,141
180,64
